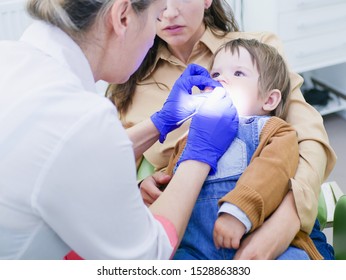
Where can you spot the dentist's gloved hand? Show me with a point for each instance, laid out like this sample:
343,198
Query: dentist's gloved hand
212,130
181,103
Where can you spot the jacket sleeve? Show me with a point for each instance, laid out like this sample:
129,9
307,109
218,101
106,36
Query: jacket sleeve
317,158
266,180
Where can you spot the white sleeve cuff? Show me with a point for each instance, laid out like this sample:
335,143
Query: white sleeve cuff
235,211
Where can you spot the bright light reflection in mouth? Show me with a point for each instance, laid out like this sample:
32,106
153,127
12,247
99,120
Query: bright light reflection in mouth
227,92
212,102
207,92
209,100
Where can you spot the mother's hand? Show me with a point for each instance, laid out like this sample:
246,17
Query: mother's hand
149,187
263,244
271,239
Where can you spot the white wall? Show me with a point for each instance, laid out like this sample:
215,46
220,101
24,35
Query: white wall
13,19
237,6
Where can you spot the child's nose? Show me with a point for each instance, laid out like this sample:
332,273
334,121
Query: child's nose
219,78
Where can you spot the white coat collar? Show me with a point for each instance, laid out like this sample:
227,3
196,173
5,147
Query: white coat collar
57,44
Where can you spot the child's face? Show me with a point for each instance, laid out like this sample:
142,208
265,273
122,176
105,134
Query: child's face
239,76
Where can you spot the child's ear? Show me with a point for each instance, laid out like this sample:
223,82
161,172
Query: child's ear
272,101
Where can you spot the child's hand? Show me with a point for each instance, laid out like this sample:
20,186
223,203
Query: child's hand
228,231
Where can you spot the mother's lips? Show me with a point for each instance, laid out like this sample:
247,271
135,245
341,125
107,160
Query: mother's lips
172,27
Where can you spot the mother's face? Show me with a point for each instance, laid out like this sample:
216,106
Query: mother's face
182,21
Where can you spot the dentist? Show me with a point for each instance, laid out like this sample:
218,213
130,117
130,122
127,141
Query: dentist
67,166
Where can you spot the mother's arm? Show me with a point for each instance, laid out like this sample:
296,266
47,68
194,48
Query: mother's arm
317,158
260,245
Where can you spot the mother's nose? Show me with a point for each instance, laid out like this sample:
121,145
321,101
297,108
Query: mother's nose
172,9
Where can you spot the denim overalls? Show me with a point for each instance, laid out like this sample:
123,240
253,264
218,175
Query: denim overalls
197,242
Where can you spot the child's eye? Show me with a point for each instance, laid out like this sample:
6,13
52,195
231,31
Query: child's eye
215,75
239,74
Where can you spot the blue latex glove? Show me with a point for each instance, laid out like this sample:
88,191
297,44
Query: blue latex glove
212,130
180,103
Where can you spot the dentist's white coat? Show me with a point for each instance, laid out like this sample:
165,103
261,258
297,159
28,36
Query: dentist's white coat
67,168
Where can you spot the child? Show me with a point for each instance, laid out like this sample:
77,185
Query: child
230,205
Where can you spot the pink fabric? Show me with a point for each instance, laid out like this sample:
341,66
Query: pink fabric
170,230
72,255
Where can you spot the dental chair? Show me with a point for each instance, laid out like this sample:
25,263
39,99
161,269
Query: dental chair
332,214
